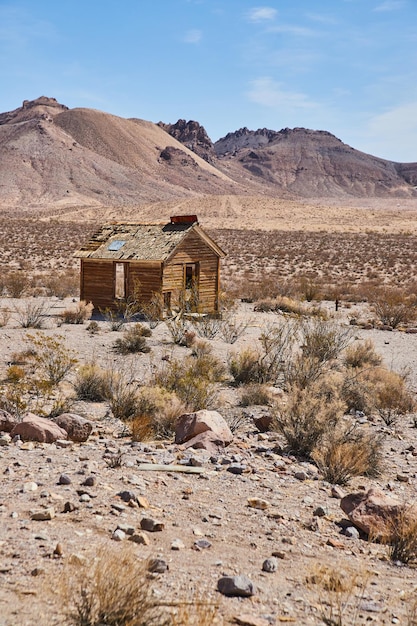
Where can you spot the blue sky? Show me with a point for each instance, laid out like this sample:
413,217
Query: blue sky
346,66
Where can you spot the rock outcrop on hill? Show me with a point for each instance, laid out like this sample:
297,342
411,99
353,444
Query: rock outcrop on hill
194,136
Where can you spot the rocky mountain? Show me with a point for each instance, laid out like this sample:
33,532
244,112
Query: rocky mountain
311,163
54,156
192,135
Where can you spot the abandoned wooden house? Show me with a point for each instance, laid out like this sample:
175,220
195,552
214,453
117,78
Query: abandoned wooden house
126,260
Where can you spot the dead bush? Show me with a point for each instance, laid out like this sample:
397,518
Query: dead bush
392,397
231,328
133,340
113,589
62,284
401,536
122,393
255,394
91,383
393,307
324,340
16,284
32,313
178,328
192,379
4,316
348,451
305,416
79,314
206,326
245,367
157,414
361,354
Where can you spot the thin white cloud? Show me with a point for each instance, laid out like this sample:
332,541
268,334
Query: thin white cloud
262,14
390,5
272,94
193,36
393,134
298,31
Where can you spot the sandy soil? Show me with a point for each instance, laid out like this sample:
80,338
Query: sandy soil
213,505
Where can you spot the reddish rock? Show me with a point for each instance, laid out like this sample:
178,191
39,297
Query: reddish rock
190,425
7,421
35,428
77,428
263,422
206,441
372,511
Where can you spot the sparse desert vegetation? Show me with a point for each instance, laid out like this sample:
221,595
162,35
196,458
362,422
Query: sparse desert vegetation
315,397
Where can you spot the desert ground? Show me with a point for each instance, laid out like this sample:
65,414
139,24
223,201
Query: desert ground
209,528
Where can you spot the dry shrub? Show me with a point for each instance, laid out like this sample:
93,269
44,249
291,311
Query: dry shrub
348,451
133,340
114,589
206,326
16,284
392,397
268,365
79,314
324,340
32,314
255,394
361,354
157,414
231,328
340,593
4,316
402,536
178,329
393,306
245,367
91,383
192,379
305,416
122,393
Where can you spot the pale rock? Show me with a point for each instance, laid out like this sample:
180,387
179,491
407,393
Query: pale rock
43,515
258,503
140,538
177,544
28,487
118,535
270,565
190,425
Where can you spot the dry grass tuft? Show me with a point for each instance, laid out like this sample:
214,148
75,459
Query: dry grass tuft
402,536
78,315
157,414
361,354
348,451
115,590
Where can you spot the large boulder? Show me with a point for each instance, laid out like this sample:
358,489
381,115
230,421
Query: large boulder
7,421
77,428
373,512
35,428
189,425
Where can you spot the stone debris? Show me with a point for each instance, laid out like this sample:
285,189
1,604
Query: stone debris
270,565
43,515
190,425
258,503
151,525
240,586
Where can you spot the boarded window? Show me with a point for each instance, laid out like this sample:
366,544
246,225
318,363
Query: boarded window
120,281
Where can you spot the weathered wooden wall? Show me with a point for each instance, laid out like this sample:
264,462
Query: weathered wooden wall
97,283
145,278
194,250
